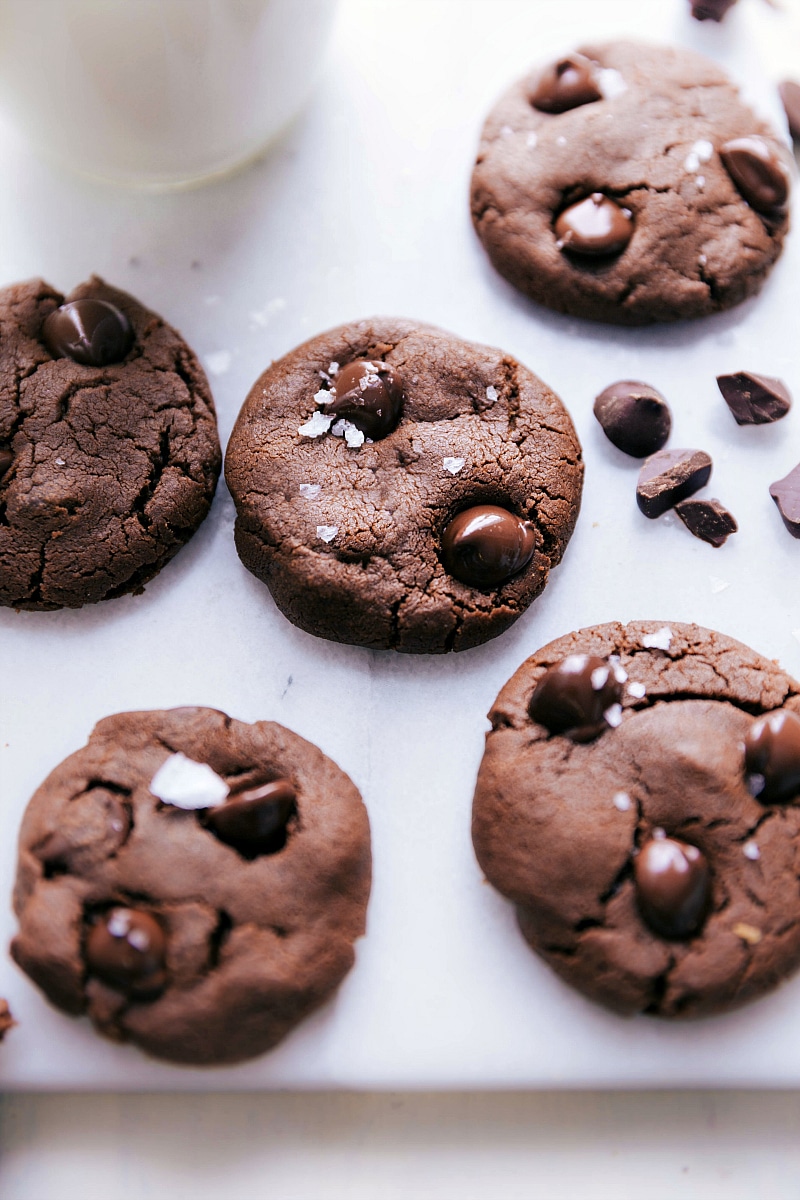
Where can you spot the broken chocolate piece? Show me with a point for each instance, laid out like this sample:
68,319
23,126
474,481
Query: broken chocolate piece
670,476
786,494
755,399
707,519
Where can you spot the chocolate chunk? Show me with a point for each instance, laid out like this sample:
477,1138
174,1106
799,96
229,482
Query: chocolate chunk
711,10
369,395
577,696
634,416
772,756
594,226
757,172
755,399
6,459
92,332
790,98
786,494
670,476
126,948
254,821
672,886
566,84
707,519
485,546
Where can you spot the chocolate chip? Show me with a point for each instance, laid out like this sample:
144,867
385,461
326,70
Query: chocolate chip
670,476
772,755
254,821
577,696
486,545
92,332
6,459
786,494
757,172
567,83
126,948
707,519
672,886
790,98
634,416
755,399
711,10
595,226
369,395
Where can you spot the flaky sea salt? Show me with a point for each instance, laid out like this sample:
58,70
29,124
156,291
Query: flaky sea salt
453,465
613,715
326,533
636,689
506,131
309,491
491,393
561,140
333,368
315,426
184,783
700,181
219,362
610,83
622,801
323,396
60,462
717,584
660,640
354,437
751,851
532,139
599,678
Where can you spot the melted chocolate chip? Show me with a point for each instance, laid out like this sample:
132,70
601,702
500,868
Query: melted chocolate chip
369,395
711,10
670,476
708,520
757,172
672,886
6,459
594,227
755,399
91,332
574,696
786,494
485,546
790,98
567,83
634,416
772,755
254,821
126,948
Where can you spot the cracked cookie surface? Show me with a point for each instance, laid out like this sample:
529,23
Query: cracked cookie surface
650,141
348,539
248,945
558,825
105,471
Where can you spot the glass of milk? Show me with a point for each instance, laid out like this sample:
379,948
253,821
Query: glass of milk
158,93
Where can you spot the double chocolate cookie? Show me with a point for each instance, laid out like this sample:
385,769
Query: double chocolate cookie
399,488
629,183
193,883
109,454
639,803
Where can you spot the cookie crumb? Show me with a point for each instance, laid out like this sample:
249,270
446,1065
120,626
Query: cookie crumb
309,491
751,851
660,640
327,533
748,933
453,465
315,426
184,783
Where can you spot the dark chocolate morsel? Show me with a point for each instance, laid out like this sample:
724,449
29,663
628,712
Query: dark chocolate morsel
369,395
786,494
672,886
757,172
772,754
574,695
254,821
567,83
634,416
670,476
92,332
486,545
707,519
710,10
126,948
755,399
6,459
593,227
790,98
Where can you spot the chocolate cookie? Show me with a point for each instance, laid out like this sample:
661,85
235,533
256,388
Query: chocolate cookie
109,453
193,883
432,520
638,803
629,183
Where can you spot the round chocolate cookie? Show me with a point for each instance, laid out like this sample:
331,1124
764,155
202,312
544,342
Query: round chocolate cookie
109,454
432,520
629,183
193,883
639,803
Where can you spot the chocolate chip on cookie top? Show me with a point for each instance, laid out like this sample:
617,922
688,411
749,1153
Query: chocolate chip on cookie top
654,864
629,183
109,453
194,884
397,487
